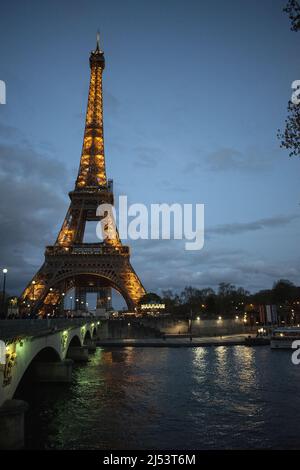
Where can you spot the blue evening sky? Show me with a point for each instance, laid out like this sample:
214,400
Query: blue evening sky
194,92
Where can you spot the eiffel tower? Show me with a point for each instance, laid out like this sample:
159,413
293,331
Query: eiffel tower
70,263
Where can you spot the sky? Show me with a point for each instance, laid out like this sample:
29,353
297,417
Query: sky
194,92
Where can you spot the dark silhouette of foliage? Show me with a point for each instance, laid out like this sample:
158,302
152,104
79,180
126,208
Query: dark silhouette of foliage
228,301
290,137
293,10
150,297
284,291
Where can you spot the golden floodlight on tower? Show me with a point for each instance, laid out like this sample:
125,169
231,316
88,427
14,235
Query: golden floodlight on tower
70,263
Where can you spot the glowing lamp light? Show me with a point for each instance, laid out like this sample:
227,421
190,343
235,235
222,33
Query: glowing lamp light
220,318
4,270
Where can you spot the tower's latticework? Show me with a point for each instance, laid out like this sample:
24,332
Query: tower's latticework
71,263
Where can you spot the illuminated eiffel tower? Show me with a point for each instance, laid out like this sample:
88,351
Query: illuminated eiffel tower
71,263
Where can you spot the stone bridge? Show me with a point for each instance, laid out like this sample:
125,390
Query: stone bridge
45,347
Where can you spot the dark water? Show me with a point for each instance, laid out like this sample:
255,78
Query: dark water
202,398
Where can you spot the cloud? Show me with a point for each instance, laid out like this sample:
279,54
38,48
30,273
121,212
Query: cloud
230,159
111,103
164,264
147,157
243,227
32,204
170,186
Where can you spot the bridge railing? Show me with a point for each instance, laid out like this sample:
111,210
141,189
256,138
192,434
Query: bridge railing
10,329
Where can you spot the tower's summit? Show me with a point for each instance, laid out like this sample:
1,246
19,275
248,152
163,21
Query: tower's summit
92,172
97,56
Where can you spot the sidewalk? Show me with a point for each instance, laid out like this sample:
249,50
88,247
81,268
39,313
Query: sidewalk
231,340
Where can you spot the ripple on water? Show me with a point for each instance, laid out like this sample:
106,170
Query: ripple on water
205,398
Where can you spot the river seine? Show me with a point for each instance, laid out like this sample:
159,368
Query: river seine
189,398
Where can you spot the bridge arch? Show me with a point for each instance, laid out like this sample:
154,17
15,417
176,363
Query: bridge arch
69,276
74,341
46,354
87,336
51,347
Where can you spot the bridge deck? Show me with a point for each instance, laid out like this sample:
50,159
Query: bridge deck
10,329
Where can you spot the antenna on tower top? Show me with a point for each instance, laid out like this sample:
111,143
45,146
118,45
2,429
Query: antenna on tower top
98,41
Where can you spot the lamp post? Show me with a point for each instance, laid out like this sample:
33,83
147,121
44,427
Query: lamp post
191,325
33,292
3,291
33,296
62,302
11,306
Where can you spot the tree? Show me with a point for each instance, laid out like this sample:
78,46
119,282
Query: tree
284,291
293,10
290,137
150,297
226,293
262,297
191,297
170,299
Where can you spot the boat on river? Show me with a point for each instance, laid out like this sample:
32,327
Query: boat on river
283,338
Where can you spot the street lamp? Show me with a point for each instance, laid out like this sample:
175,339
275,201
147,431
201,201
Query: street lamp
62,302
33,296
33,293
3,290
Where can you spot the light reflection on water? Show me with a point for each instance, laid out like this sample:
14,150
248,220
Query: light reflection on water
201,398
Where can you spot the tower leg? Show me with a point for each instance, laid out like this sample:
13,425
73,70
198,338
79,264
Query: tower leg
80,299
104,298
